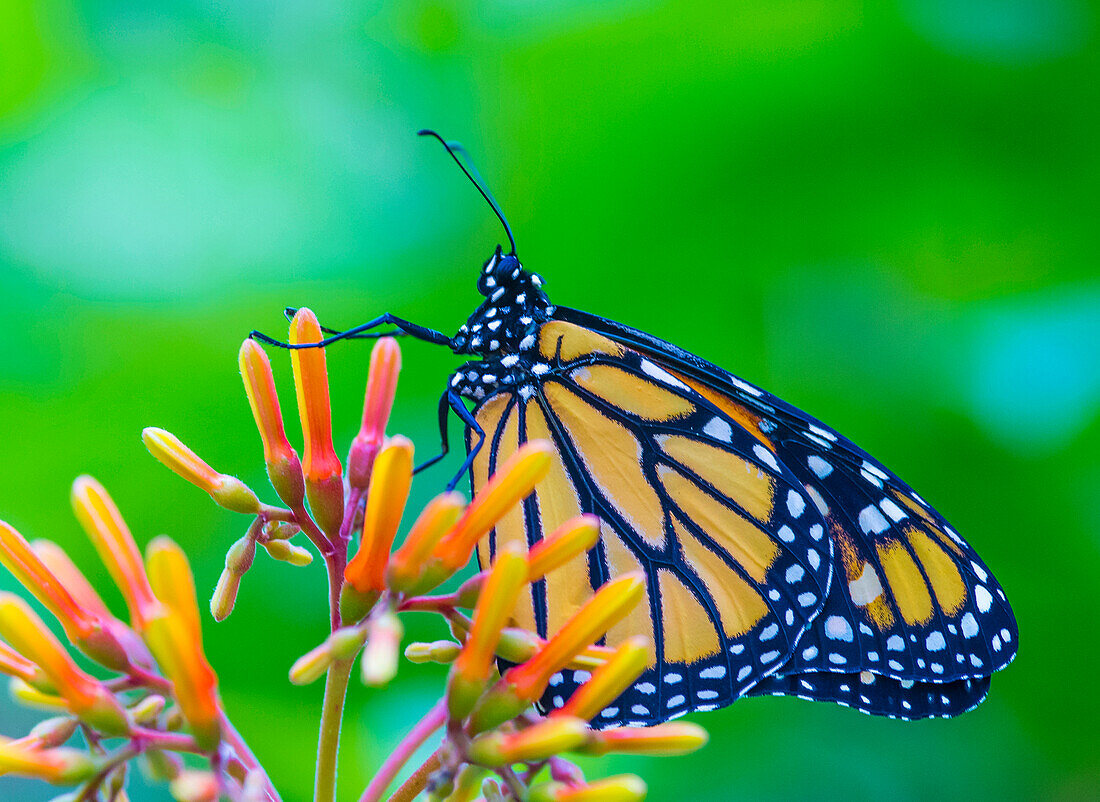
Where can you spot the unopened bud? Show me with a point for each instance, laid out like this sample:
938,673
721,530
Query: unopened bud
53,731
671,738
440,651
288,552
537,742
280,530
224,597
343,644
146,711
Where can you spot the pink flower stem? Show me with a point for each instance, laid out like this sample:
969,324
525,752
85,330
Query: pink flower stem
432,721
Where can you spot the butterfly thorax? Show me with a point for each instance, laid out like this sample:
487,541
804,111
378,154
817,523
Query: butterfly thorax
502,329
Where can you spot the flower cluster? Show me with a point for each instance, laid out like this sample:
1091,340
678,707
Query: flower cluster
160,698
163,699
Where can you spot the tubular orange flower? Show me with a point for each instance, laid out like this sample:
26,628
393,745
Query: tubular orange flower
573,537
672,738
16,665
90,627
609,680
18,557
610,604
385,365
78,586
102,521
228,491
512,483
175,638
283,466
84,695
537,742
470,672
324,486
407,564
56,766
389,490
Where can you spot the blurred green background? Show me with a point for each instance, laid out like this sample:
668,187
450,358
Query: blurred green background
884,212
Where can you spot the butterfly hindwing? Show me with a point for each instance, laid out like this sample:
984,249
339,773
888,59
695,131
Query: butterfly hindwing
909,601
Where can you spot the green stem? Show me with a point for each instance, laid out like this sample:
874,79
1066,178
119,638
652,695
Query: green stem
328,743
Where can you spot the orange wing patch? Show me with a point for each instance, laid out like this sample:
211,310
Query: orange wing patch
565,341
567,587
620,560
631,393
688,633
863,582
739,605
745,542
941,571
737,479
612,456
906,582
745,418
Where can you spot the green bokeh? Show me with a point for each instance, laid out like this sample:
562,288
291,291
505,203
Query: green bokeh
885,213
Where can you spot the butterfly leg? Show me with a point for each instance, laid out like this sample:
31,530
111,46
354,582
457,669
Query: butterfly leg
411,329
451,401
290,311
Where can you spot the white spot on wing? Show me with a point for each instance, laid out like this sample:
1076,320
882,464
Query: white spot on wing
796,505
765,456
838,628
867,588
982,598
871,520
819,466
662,375
719,430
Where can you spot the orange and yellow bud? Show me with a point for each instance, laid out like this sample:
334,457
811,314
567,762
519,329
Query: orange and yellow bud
18,557
621,788
672,738
55,766
389,491
385,365
471,671
537,742
78,586
512,483
609,680
227,491
175,638
101,519
283,466
323,472
608,606
16,665
573,537
407,564
66,593
84,695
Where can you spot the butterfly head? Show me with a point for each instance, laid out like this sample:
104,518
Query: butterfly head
514,305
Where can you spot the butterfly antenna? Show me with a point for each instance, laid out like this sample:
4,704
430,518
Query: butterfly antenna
454,149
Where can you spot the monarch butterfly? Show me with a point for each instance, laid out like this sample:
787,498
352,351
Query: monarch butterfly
780,557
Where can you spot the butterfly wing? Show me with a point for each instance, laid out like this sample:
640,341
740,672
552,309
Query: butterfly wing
735,555
910,601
